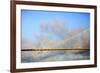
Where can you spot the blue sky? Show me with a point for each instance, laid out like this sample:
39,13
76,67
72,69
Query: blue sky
32,19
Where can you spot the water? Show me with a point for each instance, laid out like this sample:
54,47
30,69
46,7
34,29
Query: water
45,56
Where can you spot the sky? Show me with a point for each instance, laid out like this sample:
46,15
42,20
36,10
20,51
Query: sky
32,19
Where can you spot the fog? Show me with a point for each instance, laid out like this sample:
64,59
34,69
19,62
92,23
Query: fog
57,35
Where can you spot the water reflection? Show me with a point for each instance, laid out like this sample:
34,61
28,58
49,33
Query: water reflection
45,56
